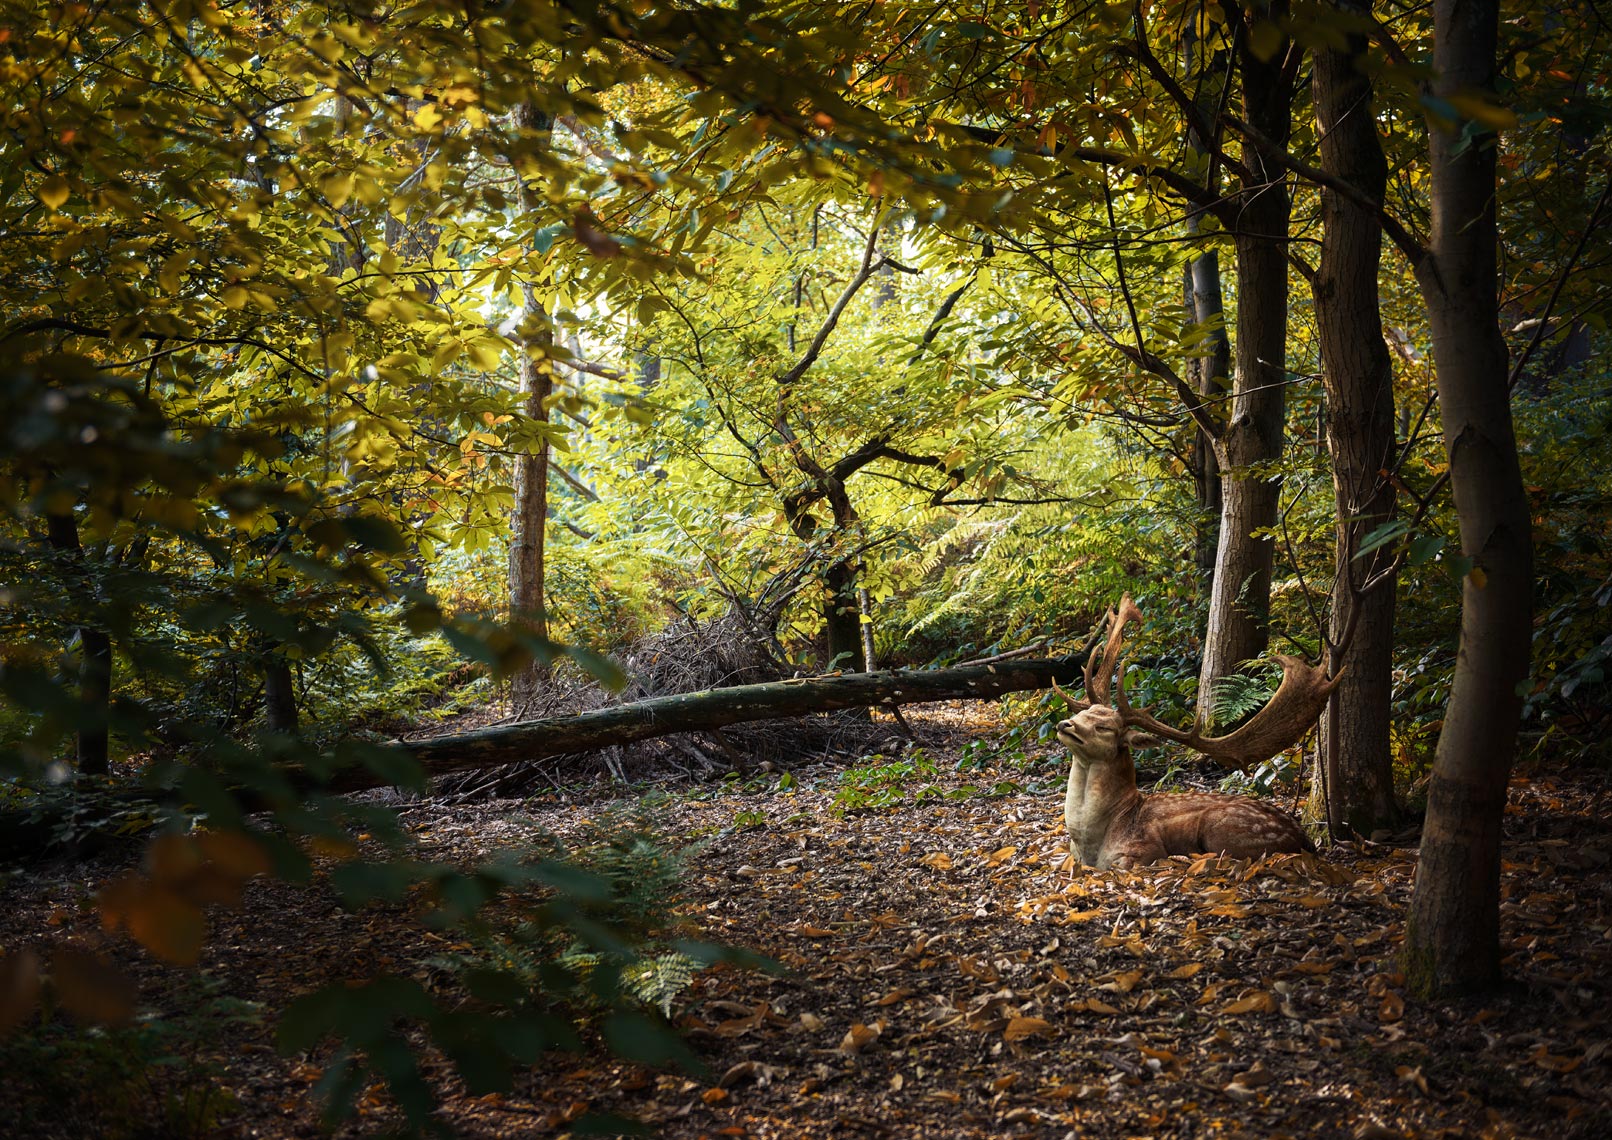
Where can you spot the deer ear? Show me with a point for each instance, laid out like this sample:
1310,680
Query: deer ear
1136,738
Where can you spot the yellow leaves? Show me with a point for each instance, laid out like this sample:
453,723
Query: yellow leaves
19,989
1075,916
1265,40
1259,1001
53,192
1092,1005
1553,1062
172,274
90,987
162,907
1131,942
1187,971
337,187
1122,983
171,927
806,930
485,352
332,847
1001,855
427,117
939,860
1019,1028
859,1037
1480,110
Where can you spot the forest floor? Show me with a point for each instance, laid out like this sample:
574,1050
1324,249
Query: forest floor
948,974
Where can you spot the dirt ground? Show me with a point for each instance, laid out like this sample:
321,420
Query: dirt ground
949,974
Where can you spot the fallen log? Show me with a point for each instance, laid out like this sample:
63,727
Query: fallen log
713,708
22,834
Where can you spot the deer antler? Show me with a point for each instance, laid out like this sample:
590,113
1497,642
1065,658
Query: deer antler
1100,667
1298,702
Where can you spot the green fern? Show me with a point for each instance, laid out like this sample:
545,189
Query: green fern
562,961
1238,695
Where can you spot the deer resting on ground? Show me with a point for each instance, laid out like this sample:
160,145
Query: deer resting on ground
1112,824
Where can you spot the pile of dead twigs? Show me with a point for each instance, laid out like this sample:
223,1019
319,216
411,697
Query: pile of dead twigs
687,656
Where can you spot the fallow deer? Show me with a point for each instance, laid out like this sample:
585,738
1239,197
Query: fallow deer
1112,824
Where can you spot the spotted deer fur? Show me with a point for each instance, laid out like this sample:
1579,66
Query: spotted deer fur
1112,823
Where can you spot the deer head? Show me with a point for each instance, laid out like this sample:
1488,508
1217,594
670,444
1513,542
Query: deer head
1112,824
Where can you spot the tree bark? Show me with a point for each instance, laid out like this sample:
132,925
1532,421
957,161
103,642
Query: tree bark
712,708
1357,771
842,617
279,693
92,742
1239,604
529,521
1452,938
1211,371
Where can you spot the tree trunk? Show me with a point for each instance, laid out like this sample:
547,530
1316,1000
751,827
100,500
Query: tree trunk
864,607
1210,371
279,693
1357,773
710,708
529,521
1239,604
1452,938
92,744
842,617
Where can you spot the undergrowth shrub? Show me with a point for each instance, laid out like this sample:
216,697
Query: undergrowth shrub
157,1079
638,879
569,948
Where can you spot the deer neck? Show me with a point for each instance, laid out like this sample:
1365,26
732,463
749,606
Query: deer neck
1099,794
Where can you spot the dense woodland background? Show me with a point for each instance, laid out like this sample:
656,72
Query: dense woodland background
370,366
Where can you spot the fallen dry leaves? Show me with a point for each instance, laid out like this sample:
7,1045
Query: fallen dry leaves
953,975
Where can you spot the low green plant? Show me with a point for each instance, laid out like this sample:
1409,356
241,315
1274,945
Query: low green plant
1276,774
152,1080
637,878
595,948
879,782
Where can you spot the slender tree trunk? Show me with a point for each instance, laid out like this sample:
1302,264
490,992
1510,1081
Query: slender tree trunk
1452,938
864,605
1211,375
94,662
842,617
1239,604
1210,371
529,522
1357,773
279,694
